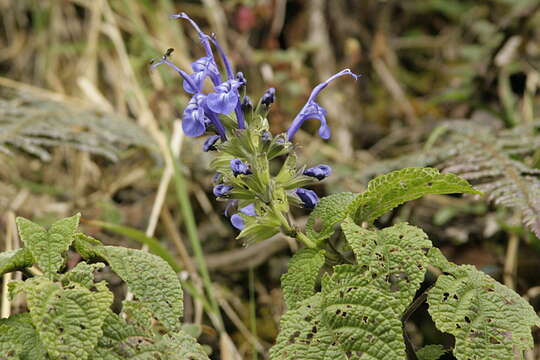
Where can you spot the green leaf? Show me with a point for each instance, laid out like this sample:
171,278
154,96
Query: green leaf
487,319
431,352
139,236
137,313
151,280
48,246
82,274
299,282
19,339
180,346
68,320
397,187
330,211
115,342
303,336
15,260
87,246
394,258
362,316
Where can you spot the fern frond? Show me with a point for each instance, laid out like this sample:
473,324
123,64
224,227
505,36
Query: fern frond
493,160
33,123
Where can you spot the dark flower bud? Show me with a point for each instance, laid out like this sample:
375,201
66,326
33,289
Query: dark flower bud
319,172
266,136
247,105
268,97
222,190
240,78
308,197
209,144
216,179
239,167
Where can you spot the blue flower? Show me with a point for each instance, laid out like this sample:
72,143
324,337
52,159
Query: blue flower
313,110
202,68
308,197
226,97
319,171
222,190
246,105
268,97
189,82
210,143
237,221
239,167
195,118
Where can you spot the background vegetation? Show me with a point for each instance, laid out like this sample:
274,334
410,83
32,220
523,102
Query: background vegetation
85,125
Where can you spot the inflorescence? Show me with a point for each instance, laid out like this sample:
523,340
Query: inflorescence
245,146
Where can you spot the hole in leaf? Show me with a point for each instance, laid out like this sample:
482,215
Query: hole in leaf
467,320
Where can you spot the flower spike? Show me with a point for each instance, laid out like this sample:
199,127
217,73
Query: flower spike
312,110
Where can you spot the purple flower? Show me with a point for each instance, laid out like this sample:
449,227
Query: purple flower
231,206
210,143
222,190
312,110
308,197
240,77
319,171
239,167
268,97
189,82
195,118
216,179
237,221
246,105
202,68
226,97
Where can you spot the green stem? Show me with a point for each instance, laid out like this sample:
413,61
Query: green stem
307,241
191,228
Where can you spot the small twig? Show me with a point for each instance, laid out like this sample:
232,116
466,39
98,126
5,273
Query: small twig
510,262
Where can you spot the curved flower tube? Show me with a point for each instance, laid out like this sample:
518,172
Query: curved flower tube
222,190
210,143
319,172
237,221
313,110
239,167
308,197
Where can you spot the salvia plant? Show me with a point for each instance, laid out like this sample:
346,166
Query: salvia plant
348,291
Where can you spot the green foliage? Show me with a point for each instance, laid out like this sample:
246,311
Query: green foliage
69,313
390,190
299,282
15,259
360,309
48,246
488,320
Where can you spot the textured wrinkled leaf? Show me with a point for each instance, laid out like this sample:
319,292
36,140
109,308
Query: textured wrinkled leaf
362,316
303,336
431,352
15,260
397,187
394,258
68,320
138,314
330,211
151,280
488,320
179,346
19,339
82,274
115,342
299,282
48,246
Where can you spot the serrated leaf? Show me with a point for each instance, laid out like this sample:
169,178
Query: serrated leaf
394,258
179,346
299,282
151,280
115,344
363,318
397,187
19,339
487,319
431,352
303,336
48,246
330,211
15,260
68,320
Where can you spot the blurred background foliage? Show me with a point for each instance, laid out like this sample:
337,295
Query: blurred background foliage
85,126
